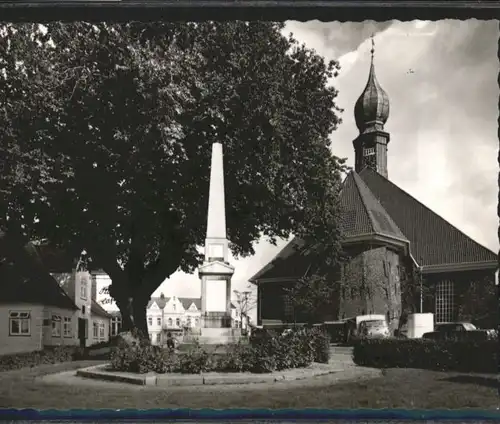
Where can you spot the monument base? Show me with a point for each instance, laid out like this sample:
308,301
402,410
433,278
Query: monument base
219,335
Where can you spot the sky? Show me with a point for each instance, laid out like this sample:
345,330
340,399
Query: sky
441,79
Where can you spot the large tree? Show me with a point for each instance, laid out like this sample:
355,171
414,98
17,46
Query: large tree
113,123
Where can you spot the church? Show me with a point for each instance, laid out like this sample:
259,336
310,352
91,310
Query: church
402,257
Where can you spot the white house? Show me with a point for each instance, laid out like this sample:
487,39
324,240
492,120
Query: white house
34,311
179,316
93,321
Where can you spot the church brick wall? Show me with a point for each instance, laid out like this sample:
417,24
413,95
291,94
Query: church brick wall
352,302
371,285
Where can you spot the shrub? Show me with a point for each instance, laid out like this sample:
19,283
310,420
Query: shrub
267,352
142,359
196,361
50,355
238,358
321,345
441,355
265,364
291,349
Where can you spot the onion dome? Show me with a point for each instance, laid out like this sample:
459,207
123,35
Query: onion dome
372,108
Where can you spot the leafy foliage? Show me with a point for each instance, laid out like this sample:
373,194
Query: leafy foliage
239,358
106,132
32,359
466,356
321,345
311,296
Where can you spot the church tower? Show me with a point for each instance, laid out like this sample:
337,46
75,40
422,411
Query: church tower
371,112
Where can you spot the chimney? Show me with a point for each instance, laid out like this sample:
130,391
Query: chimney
162,296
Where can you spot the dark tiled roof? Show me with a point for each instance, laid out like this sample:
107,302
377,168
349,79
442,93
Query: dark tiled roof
55,260
373,205
362,213
97,309
433,241
289,262
31,284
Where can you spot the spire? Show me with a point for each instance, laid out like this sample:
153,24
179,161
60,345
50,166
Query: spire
372,108
371,112
372,51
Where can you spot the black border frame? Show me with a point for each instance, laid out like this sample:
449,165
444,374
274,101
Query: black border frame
300,10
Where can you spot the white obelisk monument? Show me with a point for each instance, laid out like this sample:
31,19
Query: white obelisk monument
216,272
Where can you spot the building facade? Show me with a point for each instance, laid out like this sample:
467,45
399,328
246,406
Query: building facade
34,311
180,316
402,257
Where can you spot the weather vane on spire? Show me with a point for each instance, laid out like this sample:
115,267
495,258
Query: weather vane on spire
373,45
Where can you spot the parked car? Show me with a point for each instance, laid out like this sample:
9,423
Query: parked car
458,331
367,326
376,328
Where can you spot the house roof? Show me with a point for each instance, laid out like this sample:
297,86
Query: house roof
28,281
185,301
433,240
54,259
371,204
97,309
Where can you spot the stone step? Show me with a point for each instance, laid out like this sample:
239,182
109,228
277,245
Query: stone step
341,350
341,358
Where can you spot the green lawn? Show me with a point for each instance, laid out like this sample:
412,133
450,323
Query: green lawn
395,389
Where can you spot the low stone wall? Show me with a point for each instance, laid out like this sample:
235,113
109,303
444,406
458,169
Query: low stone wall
102,372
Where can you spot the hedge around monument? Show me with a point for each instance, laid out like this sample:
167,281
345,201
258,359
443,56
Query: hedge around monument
264,354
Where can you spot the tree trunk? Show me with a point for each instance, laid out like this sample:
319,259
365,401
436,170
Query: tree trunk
132,305
124,305
139,314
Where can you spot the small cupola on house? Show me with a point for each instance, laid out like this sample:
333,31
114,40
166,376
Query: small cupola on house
371,113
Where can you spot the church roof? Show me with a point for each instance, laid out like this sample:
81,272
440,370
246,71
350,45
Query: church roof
372,204
433,240
362,212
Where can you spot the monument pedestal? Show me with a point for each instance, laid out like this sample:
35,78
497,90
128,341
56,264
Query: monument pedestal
219,335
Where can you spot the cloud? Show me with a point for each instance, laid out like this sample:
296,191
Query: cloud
443,119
